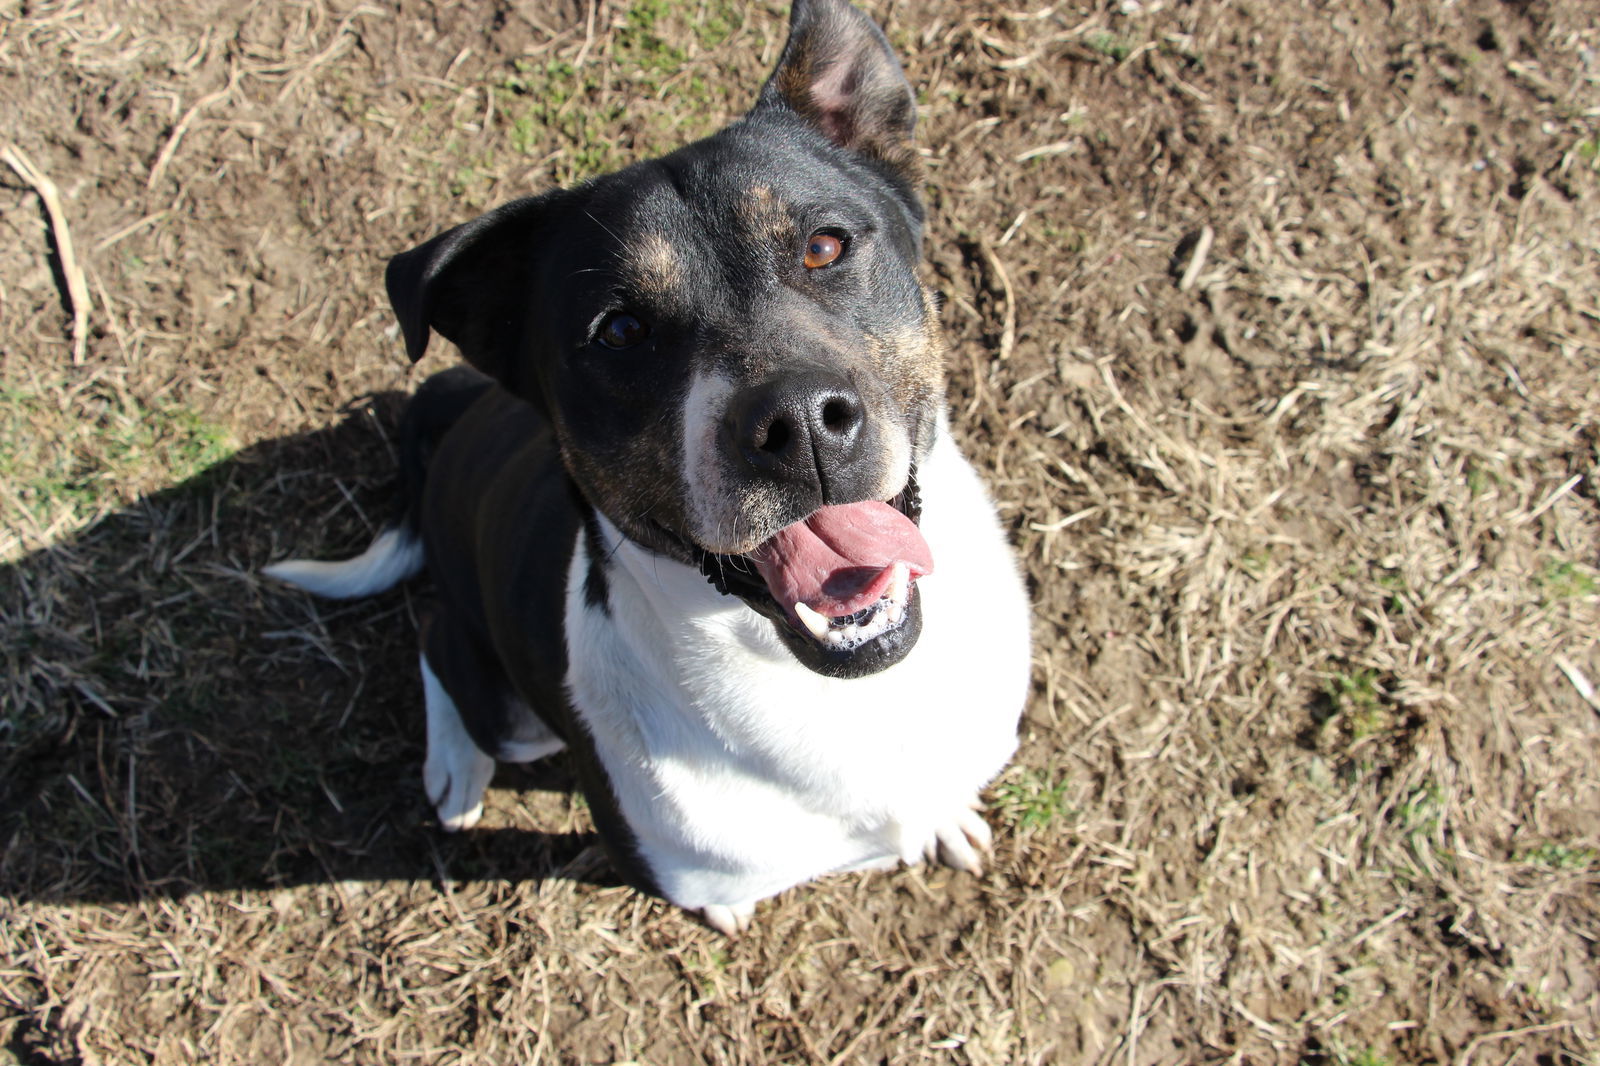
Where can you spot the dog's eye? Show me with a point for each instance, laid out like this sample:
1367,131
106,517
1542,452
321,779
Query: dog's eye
822,249
621,330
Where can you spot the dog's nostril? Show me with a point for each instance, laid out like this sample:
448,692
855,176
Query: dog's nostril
837,415
776,439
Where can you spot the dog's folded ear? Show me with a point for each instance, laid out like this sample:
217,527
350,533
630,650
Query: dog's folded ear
472,284
838,73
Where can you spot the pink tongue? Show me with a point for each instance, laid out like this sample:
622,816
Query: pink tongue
838,561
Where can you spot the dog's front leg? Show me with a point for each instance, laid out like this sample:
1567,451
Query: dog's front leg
455,771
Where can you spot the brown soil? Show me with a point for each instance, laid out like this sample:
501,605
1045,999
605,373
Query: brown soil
1310,519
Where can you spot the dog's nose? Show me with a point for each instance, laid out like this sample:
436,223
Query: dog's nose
805,428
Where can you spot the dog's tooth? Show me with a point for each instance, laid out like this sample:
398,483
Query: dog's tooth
899,583
816,623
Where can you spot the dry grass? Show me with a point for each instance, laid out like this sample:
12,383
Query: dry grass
1276,326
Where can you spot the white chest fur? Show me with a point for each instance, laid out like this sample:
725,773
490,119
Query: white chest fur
743,773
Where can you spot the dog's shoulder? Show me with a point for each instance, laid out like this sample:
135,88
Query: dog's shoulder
499,521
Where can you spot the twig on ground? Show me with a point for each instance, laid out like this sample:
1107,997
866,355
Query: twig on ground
1008,321
1551,500
170,149
1197,259
588,35
1478,1042
1579,682
77,287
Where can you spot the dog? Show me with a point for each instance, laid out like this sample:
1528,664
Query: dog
692,511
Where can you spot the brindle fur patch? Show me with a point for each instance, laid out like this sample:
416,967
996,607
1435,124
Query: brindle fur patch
653,266
912,359
763,217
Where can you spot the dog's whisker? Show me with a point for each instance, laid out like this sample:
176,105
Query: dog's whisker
602,225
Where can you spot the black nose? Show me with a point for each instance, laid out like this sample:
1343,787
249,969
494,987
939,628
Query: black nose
804,428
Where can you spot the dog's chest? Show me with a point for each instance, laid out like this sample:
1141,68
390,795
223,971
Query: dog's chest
742,772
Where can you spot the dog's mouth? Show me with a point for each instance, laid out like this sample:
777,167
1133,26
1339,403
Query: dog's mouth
840,584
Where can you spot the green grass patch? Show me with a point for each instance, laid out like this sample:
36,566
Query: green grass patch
68,465
599,124
1355,697
1420,813
1029,800
1588,150
707,967
1480,480
1560,857
1419,820
1565,580
1110,45
1065,239
1394,584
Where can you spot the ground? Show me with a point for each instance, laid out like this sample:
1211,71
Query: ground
1274,327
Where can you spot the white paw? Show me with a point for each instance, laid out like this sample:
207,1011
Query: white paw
961,842
455,788
455,772
728,920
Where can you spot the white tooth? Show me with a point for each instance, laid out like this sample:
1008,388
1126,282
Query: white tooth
899,583
813,621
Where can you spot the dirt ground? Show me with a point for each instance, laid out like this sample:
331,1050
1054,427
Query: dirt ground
1275,327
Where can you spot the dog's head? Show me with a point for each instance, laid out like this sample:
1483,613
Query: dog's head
732,343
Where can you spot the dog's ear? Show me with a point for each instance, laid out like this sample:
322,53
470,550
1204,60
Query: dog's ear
472,285
838,73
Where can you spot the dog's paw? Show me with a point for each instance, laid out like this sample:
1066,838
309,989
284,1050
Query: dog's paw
729,920
961,842
455,786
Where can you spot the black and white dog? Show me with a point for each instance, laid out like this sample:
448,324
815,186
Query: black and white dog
694,512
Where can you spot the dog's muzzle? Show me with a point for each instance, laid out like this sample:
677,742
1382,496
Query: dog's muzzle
839,585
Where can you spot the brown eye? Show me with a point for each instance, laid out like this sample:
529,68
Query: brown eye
822,249
621,330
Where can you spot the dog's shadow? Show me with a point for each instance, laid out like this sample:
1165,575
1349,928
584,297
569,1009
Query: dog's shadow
171,723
